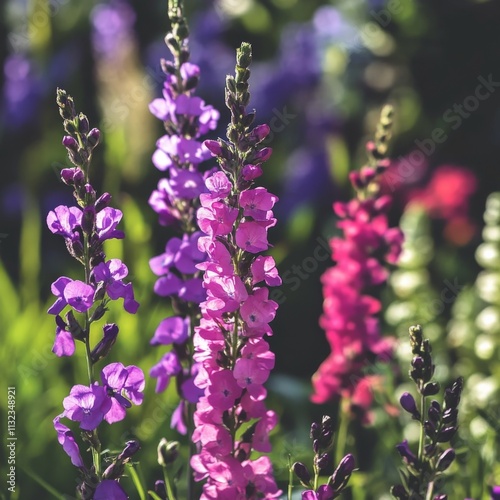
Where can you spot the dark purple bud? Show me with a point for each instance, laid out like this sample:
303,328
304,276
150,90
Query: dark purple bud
316,446
160,489
263,155
431,389
398,491
339,479
430,428
114,471
408,403
191,83
445,459
214,147
302,473
259,133
315,430
131,448
406,454
60,322
98,313
102,202
418,362
88,220
73,326
450,416
93,137
452,395
433,414
70,143
102,348
429,449
71,176
168,451
323,461
446,434
83,124
100,291
75,248
441,497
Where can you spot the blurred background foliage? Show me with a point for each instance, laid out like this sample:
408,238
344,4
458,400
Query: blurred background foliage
321,72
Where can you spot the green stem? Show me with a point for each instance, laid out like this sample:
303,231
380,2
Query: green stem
342,431
430,491
290,478
168,485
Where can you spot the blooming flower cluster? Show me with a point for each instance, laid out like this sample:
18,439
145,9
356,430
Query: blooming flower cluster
234,358
349,317
85,228
179,154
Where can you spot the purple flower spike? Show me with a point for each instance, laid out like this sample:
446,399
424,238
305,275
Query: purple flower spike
79,295
87,405
66,439
109,490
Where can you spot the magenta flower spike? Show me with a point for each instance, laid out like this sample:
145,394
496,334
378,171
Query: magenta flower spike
361,256
235,360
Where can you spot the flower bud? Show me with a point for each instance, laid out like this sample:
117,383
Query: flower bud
214,147
102,202
408,403
263,155
302,473
167,452
83,124
93,137
338,480
103,347
445,459
73,326
431,389
323,461
88,220
131,447
446,434
70,143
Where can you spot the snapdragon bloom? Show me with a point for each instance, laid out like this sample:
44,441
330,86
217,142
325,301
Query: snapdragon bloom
349,317
179,154
235,360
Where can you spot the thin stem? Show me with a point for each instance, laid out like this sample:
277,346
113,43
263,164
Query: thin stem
290,478
168,485
342,431
430,491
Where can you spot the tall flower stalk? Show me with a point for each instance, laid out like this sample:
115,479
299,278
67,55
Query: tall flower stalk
235,361
179,154
350,308
438,424
85,227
